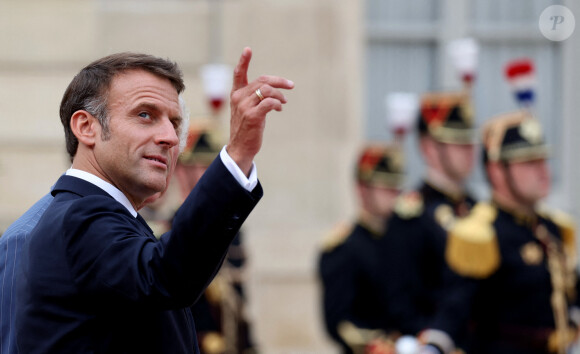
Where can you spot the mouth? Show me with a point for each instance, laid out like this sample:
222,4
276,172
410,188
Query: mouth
159,160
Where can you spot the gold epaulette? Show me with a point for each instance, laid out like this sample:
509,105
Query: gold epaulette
336,236
409,205
472,249
565,223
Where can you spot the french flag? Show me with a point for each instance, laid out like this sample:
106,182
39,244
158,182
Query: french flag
520,74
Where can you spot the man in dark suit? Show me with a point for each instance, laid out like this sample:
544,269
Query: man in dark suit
11,244
92,277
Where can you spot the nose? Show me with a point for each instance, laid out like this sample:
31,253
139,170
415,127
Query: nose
167,134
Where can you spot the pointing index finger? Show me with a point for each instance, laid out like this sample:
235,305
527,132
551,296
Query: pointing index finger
241,70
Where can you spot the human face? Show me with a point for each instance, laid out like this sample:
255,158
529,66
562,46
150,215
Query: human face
457,160
145,120
531,179
382,200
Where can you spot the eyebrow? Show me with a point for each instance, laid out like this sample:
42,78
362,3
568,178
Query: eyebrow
155,108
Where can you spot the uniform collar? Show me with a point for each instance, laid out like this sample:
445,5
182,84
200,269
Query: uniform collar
520,218
454,197
375,225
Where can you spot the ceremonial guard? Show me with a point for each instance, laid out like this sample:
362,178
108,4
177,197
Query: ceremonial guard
348,265
513,279
412,261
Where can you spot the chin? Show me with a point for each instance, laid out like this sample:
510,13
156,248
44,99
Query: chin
156,187
544,191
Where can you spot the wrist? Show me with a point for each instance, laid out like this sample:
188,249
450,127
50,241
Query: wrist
244,163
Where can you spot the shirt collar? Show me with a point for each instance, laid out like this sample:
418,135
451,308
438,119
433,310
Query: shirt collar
106,186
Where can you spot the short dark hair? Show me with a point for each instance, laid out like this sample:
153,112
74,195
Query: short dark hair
89,89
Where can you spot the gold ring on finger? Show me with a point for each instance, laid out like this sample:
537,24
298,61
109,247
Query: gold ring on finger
258,93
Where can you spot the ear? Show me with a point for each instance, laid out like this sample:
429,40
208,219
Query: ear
85,127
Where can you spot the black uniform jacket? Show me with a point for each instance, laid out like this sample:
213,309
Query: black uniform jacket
412,256
349,275
507,305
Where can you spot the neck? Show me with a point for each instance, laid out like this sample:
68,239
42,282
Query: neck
375,223
509,203
87,166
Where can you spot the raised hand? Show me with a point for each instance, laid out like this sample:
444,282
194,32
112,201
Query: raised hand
250,103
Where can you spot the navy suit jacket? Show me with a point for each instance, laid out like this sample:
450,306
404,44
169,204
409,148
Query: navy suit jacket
94,279
11,244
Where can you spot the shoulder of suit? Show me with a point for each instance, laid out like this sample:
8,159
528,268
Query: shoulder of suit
565,223
472,248
336,236
409,205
